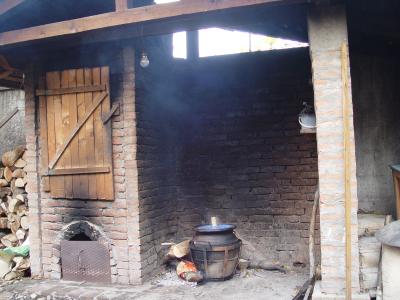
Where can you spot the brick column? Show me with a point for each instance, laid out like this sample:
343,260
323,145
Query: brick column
32,171
327,31
130,161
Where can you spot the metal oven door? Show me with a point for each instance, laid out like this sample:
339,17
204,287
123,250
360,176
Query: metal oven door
85,261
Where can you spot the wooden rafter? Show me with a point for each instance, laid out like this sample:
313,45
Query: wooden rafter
8,73
129,16
6,5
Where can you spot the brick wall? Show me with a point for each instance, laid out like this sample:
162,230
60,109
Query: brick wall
156,138
118,219
376,123
217,137
242,157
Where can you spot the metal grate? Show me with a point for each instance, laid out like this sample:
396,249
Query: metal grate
85,261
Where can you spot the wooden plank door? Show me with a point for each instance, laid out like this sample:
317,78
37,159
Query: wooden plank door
76,144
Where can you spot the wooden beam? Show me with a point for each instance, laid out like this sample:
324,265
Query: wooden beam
129,16
6,5
80,171
79,89
121,5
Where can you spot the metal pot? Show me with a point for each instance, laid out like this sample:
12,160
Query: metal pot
215,250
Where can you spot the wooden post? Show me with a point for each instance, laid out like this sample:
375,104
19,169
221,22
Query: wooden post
192,42
121,5
347,165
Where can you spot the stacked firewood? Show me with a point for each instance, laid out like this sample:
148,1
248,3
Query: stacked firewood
13,202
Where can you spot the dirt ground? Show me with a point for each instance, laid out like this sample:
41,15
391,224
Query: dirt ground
255,285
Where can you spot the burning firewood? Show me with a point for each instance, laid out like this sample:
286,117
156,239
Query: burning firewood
188,271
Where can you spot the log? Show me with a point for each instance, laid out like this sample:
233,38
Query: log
15,224
22,210
13,204
3,223
9,158
265,265
14,218
20,163
8,174
180,250
18,173
20,197
3,183
25,222
19,182
20,234
21,264
9,240
4,191
13,275
4,206
18,191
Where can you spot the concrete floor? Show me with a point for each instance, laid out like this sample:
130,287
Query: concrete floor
255,285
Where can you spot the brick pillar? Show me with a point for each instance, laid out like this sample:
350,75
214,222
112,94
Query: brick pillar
327,31
130,162
32,171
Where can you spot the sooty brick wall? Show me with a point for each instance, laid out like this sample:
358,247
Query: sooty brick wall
156,156
116,219
220,137
242,157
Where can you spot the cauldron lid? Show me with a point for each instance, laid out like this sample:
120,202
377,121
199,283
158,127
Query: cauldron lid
215,228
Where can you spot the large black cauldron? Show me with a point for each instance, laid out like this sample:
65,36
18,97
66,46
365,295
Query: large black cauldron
215,250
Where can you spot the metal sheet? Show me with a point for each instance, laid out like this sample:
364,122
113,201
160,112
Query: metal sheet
85,261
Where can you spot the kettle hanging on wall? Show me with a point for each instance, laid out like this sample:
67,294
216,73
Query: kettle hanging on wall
307,118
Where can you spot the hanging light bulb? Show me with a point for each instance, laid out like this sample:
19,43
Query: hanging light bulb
144,61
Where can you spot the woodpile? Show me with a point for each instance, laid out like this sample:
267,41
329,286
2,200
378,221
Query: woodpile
13,201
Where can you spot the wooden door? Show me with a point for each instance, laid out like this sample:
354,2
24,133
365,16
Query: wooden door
76,143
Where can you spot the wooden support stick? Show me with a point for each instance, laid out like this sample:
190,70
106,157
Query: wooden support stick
347,165
311,239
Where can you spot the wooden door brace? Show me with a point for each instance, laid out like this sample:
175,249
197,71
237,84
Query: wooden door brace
106,117
78,126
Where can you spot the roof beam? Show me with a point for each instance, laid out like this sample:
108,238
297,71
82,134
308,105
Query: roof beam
129,16
6,5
